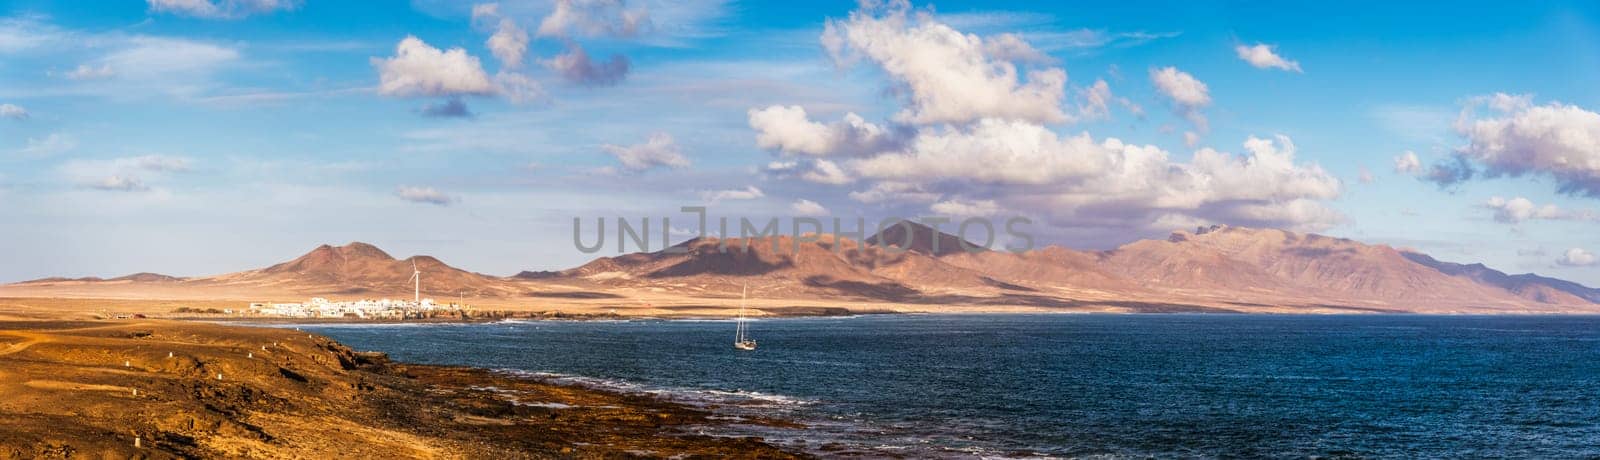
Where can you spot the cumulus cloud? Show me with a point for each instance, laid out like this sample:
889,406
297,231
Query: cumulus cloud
805,207
788,129
1096,101
825,172
12,111
1025,166
612,18
220,9
509,43
576,67
424,195
1408,163
1188,94
659,151
1577,257
944,75
974,138
1262,56
1519,138
418,69
1519,209
748,193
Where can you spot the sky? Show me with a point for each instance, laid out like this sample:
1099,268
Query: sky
197,137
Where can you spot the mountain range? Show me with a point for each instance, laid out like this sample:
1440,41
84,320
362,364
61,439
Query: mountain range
1208,269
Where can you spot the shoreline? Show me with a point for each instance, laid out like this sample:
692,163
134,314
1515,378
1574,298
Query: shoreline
181,388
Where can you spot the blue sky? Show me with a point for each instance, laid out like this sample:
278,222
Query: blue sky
193,137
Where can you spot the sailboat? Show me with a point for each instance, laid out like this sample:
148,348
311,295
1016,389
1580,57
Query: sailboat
741,340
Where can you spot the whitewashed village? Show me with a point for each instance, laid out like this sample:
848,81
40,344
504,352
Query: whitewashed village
318,307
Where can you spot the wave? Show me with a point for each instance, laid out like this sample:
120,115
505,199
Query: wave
692,396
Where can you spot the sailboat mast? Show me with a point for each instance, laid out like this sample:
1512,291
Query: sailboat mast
743,296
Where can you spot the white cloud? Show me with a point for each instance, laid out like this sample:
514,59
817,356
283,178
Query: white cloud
127,174
425,195
789,130
1188,94
1262,56
1519,209
1556,140
176,64
1027,166
594,18
748,193
1011,47
659,151
418,69
485,11
1408,163
125,65
116,184
221,9
518,88
894,192
826,172
945,76
973,138
509,43
1578,257
1085,40
959,208
160,163
50,144
14,112
19,34
1505,103
576,67
88,72
808,208
1097,100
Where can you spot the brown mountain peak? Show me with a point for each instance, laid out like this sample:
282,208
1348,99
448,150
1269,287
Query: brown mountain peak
923,239
363,250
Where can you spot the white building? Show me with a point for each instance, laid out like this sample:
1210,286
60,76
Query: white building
319,307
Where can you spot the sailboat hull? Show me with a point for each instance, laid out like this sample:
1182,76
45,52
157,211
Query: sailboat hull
748,345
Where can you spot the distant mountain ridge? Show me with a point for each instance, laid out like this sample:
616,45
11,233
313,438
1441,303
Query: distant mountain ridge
1210,268
1527,285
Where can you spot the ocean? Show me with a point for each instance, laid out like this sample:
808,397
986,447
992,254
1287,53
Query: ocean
1074,385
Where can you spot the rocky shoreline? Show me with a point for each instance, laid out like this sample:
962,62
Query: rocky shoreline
171,389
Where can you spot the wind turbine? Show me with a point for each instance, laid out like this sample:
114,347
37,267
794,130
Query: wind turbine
416,275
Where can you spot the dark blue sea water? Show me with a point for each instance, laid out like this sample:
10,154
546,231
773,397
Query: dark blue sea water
1086,385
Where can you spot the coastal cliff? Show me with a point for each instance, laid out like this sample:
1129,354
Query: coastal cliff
167,389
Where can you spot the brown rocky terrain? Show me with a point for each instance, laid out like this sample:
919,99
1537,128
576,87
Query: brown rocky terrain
165,389
1209,269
